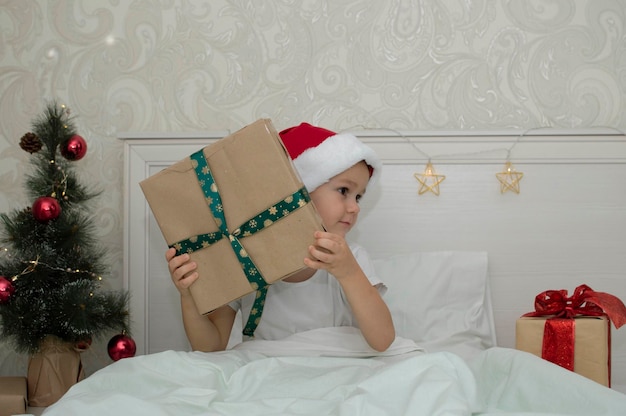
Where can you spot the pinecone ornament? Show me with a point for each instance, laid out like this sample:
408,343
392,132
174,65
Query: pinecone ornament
31,143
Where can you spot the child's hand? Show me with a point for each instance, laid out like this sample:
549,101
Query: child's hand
332,253
182,271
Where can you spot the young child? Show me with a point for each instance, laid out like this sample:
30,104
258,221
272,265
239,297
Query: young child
338,287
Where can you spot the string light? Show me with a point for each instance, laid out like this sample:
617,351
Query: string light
33,264
509,177
59,185
429,180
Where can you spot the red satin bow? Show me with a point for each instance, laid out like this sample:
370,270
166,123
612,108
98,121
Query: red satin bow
558,336
584,301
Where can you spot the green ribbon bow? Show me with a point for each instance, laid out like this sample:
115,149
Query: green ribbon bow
264,219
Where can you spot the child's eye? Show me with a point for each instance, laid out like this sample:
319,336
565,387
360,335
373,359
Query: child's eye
343,190
358,198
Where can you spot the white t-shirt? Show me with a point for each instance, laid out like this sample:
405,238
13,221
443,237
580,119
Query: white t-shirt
317,302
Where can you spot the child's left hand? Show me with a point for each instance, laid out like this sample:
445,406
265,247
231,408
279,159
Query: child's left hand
332,253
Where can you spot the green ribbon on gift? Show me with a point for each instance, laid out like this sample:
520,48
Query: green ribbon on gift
264,219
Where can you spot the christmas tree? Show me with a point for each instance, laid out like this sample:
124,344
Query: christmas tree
51,265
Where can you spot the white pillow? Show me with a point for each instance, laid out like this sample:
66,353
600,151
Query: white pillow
441,300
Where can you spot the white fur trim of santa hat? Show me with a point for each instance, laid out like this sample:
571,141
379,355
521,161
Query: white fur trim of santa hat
328,155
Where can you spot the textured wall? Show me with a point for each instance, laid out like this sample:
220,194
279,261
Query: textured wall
199,65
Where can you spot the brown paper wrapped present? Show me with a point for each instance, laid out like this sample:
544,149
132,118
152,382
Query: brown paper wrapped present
573,331
12,395
52,371
240,209
592,344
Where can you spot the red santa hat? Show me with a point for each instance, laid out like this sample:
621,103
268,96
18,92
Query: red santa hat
319,154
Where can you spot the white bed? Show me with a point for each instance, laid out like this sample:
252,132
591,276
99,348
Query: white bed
461,268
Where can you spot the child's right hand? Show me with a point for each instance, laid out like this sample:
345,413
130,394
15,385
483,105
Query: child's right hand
182,270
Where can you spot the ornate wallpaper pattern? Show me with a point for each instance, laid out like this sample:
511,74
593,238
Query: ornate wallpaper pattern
200,65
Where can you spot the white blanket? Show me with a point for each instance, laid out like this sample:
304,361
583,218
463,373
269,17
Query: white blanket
334,372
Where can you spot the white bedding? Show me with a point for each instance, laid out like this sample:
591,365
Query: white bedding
333,372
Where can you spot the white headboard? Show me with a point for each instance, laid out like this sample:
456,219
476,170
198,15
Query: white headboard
566,227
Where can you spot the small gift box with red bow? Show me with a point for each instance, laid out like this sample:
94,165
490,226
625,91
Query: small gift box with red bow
573,331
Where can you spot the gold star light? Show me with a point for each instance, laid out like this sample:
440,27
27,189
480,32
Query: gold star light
429,180
509,178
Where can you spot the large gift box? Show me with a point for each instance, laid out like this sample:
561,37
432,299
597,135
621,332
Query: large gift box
573,332
12,396
591,347
240,209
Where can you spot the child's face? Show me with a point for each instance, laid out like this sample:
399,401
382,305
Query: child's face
337,201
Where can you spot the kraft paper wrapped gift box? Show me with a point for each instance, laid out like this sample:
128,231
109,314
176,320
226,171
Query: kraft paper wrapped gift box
252,174
592,348
12,396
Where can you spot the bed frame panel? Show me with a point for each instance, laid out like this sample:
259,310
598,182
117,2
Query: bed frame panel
566,227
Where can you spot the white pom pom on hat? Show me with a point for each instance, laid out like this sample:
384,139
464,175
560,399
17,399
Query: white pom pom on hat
319,154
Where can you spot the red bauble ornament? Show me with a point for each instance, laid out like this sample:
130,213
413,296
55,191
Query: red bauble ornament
6,289
121,346
46,208
74,148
